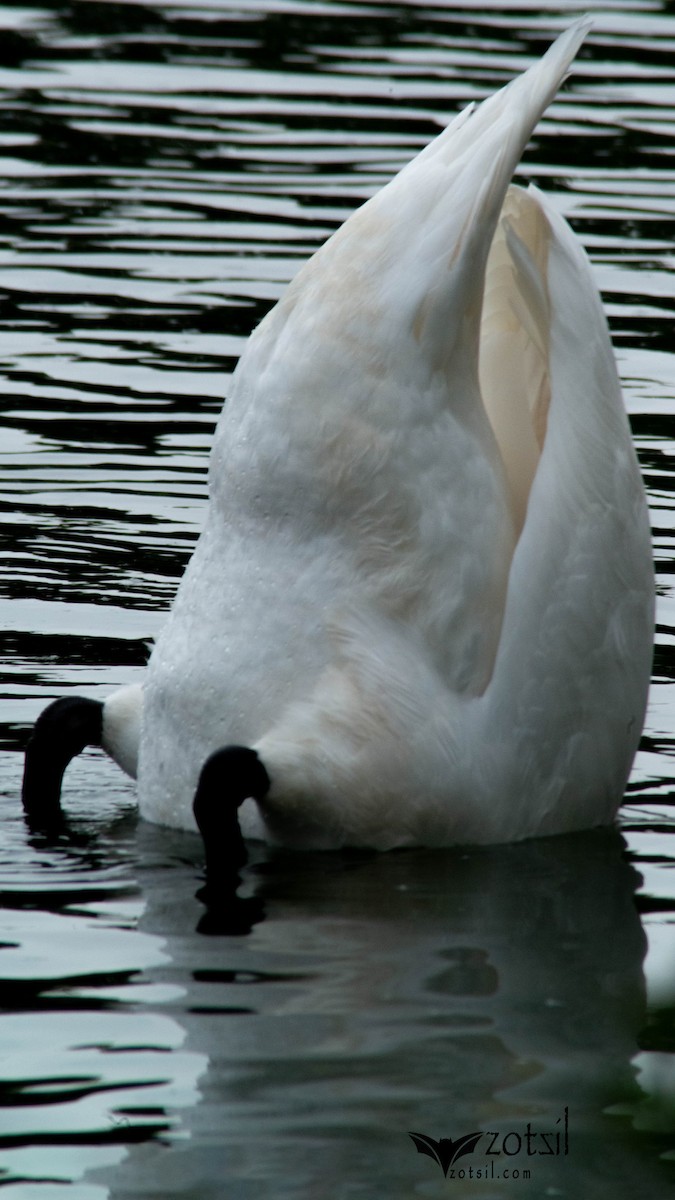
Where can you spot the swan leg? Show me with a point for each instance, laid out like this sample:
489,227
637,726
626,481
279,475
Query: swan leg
229,777
61,732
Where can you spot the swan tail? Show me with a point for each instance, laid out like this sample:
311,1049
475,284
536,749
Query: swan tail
384,291
457,185
523,100
571,674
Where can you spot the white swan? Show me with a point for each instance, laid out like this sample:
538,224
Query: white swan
423,598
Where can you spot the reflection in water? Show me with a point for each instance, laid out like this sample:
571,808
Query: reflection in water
81,1033
443,992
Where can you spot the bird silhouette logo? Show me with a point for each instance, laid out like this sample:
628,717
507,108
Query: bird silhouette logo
446,1151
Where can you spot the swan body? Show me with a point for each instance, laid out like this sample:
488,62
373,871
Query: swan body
424,590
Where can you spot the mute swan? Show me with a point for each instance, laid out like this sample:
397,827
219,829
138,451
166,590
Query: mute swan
421,609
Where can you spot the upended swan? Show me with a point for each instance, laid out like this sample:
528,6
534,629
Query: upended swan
421,608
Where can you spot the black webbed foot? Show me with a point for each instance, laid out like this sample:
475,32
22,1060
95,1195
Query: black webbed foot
229,777
61,732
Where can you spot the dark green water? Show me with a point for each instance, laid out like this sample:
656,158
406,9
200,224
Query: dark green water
164,169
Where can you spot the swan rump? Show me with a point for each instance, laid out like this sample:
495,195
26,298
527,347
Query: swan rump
423,594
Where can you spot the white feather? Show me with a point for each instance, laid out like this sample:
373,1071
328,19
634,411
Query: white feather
122,726
424,588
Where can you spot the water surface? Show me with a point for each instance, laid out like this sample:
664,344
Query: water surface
164,169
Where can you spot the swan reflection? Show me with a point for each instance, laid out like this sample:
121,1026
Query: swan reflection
444,992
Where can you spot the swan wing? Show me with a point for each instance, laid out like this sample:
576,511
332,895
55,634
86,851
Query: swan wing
562,716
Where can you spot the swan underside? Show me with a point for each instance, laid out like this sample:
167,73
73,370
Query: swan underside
479,667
